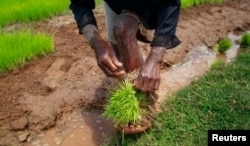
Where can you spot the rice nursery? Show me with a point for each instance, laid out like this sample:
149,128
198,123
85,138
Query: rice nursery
26,10
189,3
20,46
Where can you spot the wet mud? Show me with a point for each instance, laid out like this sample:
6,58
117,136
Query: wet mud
42,94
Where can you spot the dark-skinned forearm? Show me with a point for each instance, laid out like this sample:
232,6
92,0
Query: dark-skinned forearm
93,36
91,33
156,54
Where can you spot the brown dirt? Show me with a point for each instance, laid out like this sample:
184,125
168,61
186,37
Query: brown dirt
35,96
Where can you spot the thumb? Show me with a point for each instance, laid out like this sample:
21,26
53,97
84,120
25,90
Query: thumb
116,61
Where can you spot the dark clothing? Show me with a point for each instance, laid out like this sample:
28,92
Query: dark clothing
161,15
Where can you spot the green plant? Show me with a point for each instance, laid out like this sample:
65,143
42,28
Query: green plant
217,64
26,10
223,46
124,104
189,3
98,2
18,47
218,100
245,40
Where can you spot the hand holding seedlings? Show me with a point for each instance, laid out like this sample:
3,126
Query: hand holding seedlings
149,76
105,55
128,21
128,108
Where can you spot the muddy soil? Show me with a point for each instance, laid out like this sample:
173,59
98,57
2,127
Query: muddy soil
35,97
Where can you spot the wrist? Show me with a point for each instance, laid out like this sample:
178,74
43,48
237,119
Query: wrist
157,53
90,31
94,38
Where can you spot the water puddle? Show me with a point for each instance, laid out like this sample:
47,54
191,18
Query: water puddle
76,129
197,62
88,128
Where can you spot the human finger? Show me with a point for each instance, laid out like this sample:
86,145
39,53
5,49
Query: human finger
150,85
157,84
145,86
106,71
116,61
139,83
119,74
108,63
157,80
116,74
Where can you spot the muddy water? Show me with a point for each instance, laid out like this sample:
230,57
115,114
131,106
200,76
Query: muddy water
76,129
196,63
89,129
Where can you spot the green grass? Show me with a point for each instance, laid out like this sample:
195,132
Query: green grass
218,100
124,104
18,47
26,10
189,3
217,63
245,40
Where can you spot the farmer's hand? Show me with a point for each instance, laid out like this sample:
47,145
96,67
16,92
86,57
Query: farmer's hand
149,76
105,54
106,58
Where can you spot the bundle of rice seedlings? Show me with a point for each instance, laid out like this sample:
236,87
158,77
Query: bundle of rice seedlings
125,104
245,40
223,45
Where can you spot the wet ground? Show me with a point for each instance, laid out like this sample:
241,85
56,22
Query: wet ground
55,91
77,128
91,129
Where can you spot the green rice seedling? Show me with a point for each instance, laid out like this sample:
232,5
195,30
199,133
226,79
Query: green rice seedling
98,2
18,47
223,45
245,40
189,3
26,10
124,104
